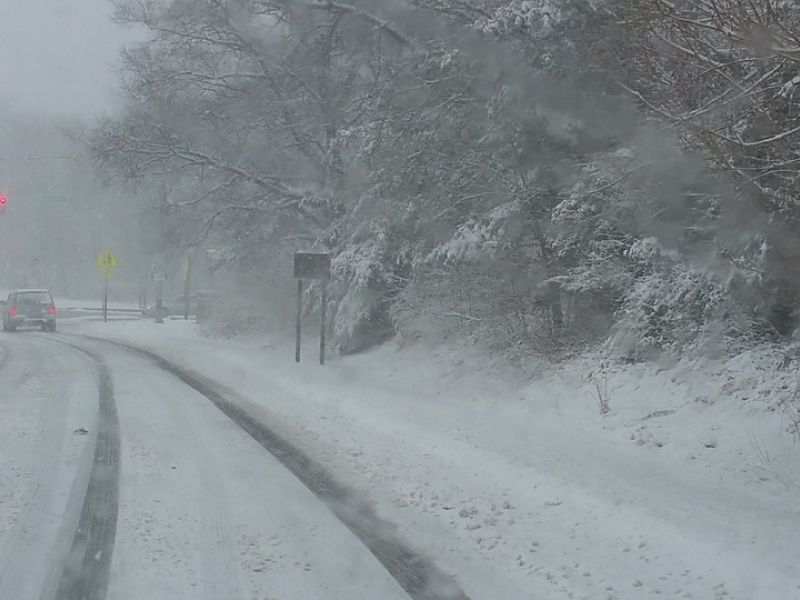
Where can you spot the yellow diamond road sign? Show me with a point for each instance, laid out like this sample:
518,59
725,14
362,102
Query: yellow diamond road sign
106,263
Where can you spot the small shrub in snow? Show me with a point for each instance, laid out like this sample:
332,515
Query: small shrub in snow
598,379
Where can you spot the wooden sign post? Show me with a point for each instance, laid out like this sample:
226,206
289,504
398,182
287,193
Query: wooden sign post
312,265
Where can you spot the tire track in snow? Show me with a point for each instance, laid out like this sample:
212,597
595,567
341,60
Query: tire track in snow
86,570
416,574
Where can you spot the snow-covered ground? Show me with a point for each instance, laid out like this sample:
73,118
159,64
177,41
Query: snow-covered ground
192,508
520,489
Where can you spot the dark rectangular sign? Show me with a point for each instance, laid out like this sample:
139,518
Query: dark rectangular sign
312,265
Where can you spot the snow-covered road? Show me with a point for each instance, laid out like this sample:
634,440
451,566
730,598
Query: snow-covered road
243,475
195,508
48,423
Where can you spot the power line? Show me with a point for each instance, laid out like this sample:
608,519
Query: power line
26,158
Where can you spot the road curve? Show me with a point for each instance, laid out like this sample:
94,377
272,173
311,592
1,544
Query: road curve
125,477
415,573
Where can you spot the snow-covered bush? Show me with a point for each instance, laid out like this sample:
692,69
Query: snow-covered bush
673,307
524,16
367,275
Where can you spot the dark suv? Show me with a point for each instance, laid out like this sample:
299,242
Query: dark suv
29,308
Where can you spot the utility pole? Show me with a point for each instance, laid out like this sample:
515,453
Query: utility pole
187,276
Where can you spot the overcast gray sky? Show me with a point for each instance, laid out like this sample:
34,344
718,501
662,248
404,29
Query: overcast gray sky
57,56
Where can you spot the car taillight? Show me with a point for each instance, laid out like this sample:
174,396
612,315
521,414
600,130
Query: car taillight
12,312
51,310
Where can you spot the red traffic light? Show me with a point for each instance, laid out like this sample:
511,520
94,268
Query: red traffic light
3,199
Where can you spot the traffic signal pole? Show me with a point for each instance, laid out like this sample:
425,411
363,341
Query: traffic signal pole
187,286
105,301
160,301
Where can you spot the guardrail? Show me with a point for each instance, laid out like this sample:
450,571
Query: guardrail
136,311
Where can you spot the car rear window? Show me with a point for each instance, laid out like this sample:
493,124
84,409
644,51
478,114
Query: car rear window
34,298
